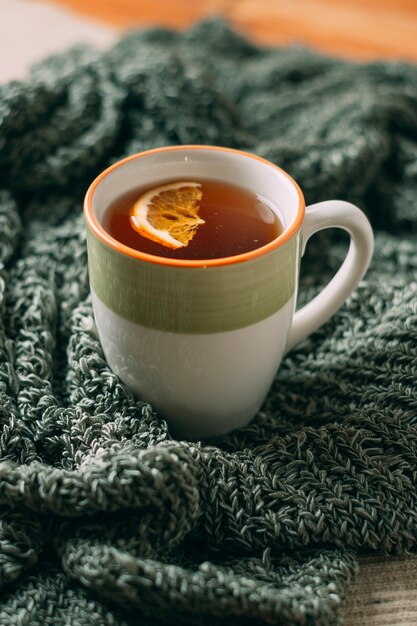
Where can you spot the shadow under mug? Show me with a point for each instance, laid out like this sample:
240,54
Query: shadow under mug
202,340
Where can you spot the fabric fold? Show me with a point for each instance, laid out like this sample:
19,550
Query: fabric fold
105,518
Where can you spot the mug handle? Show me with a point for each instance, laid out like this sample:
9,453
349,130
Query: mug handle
333,214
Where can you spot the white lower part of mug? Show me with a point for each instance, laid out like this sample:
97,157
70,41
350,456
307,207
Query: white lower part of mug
202,384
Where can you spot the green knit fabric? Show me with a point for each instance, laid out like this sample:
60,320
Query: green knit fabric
105,519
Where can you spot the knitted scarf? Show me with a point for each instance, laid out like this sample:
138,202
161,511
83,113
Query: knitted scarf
105,518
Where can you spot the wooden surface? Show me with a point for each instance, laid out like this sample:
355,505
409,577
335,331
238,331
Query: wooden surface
360,29
384,594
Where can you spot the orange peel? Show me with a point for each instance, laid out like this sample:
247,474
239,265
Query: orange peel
168,214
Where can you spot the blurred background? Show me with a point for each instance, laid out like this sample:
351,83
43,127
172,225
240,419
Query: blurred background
354,29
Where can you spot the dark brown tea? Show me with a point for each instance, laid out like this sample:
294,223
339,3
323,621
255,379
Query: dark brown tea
236,221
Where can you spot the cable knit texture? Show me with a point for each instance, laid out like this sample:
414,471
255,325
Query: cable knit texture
105,519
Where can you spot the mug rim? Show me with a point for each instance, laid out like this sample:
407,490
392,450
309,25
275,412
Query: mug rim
110,241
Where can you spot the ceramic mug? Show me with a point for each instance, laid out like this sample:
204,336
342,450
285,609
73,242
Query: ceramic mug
202,340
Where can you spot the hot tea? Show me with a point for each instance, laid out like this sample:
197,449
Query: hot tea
229,220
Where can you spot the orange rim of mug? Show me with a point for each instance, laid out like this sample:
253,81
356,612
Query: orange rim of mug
99,231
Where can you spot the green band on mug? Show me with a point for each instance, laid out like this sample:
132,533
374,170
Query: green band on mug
189,299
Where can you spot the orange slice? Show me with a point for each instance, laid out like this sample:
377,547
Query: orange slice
169,214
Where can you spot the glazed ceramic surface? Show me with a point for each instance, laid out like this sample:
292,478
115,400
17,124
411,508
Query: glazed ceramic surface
202,340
